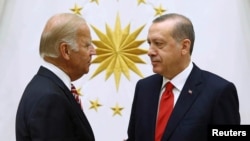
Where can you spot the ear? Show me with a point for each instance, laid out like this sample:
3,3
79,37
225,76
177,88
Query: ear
186,43
64,51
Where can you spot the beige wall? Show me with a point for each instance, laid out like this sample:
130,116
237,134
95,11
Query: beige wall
222,46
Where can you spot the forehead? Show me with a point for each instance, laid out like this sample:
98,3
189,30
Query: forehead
84,33
160,29
83,30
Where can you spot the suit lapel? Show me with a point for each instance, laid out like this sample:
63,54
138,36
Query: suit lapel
146,98
79,111
154,91
187,97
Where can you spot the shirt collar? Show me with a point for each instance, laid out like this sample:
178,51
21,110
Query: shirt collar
179,80
59,73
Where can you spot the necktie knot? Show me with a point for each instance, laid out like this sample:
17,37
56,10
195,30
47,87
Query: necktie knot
169,87
73,89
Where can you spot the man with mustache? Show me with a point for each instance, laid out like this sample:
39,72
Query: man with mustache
195,98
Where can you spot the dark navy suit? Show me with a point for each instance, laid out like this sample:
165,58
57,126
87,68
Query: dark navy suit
206,99
48,112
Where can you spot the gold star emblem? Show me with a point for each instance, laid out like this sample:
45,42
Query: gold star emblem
79,91
117,110
117,51
95,105
141,1
159,10
97,1
76,9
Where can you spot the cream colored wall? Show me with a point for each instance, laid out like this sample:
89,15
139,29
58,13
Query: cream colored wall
222,46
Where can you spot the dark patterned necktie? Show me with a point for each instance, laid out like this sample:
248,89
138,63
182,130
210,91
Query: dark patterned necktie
76,95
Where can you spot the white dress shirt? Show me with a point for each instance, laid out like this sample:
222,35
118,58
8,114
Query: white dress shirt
178,81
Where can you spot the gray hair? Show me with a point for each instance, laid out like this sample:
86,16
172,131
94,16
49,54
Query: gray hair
60,28
183,28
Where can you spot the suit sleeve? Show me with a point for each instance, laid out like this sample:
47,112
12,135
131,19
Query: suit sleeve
131,126
226,109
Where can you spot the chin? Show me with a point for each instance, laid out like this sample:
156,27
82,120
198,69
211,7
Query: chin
155,70
87,71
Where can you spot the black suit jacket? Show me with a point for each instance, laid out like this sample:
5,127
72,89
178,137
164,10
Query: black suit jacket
206,99
48,112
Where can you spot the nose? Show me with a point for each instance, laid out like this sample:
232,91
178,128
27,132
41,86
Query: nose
92,50
151,51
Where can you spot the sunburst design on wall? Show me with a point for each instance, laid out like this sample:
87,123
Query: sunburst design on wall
118,51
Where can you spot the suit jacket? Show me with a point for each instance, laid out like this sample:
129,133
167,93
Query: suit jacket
48,112
213,101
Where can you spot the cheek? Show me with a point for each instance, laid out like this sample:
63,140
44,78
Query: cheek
85,59
80,58
165,56
83,55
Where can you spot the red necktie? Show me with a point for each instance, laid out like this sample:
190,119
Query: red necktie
166,107
76,95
